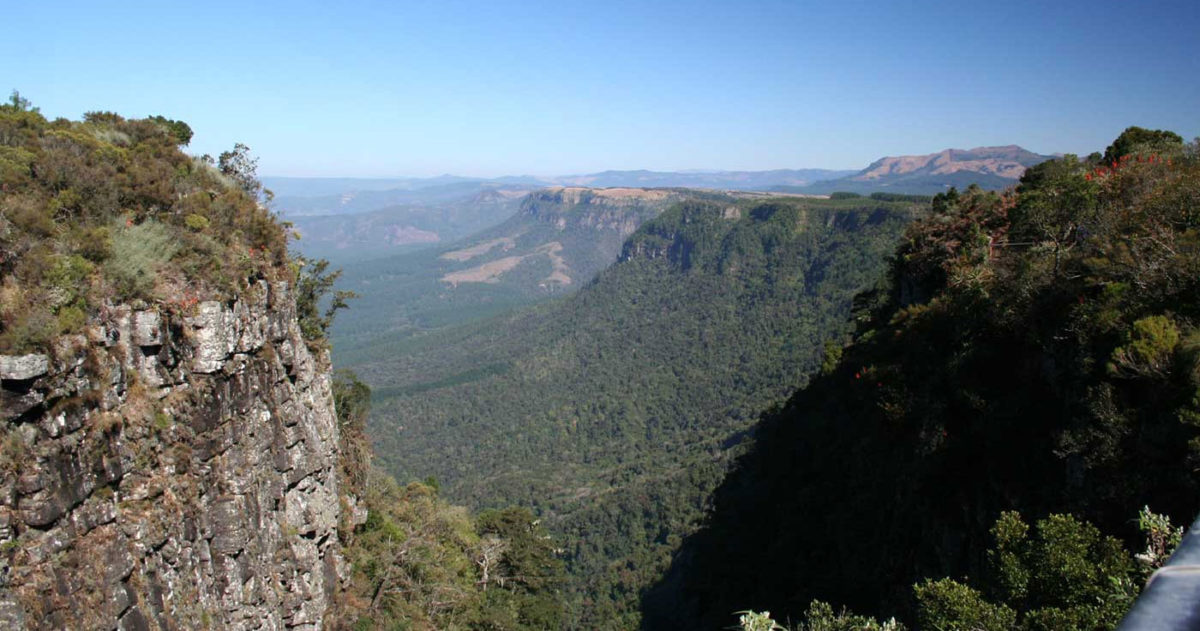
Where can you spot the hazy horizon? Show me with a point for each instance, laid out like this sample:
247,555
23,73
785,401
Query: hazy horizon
378,90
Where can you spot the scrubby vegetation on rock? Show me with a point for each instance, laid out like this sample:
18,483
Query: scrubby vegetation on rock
108,210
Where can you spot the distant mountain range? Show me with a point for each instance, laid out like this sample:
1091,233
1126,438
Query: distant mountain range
296,196
989,167
353,219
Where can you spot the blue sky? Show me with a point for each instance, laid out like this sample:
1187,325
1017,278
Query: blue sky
490,88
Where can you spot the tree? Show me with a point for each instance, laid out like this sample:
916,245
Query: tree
241,168
352,401
17,103
1056,205
1066,576
313,286
1135,139
179,130
527,570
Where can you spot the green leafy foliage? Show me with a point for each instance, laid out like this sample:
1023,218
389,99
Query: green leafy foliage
179,130
1135,139
527,572
317,302
946,605
1148,350
1067,576
352,400
820,616
1161,538
411,561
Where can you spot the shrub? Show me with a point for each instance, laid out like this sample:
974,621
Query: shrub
947,604
1148,348
138,252
195,223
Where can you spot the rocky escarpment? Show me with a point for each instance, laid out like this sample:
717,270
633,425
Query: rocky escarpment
172,468
616,210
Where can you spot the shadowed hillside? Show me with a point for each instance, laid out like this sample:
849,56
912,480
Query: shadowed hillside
1033,351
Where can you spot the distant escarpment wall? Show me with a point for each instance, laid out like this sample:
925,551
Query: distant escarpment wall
171,469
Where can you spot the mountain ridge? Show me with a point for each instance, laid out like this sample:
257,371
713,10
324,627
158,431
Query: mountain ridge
1008,161
991,168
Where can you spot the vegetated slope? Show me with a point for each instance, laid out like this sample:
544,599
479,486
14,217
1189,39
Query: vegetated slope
991,168
107,210
1035,351
417,562
555,243
614,411
348,238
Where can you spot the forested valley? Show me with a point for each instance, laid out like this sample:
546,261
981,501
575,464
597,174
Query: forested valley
614,411
992,406
976,410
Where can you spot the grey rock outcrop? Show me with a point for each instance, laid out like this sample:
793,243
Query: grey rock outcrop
171,472
22,367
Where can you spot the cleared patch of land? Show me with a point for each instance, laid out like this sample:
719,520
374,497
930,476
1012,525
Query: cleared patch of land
467,254
491,271
559,275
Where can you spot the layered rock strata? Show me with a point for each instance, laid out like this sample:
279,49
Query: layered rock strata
171,472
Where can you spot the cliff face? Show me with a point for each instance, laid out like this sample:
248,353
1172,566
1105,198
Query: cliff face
171,470
561,237
616,210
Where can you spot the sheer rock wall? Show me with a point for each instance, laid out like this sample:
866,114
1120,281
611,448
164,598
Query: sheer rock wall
171,472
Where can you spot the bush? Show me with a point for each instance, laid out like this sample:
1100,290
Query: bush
195,223
139,251
1148,348
947,604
